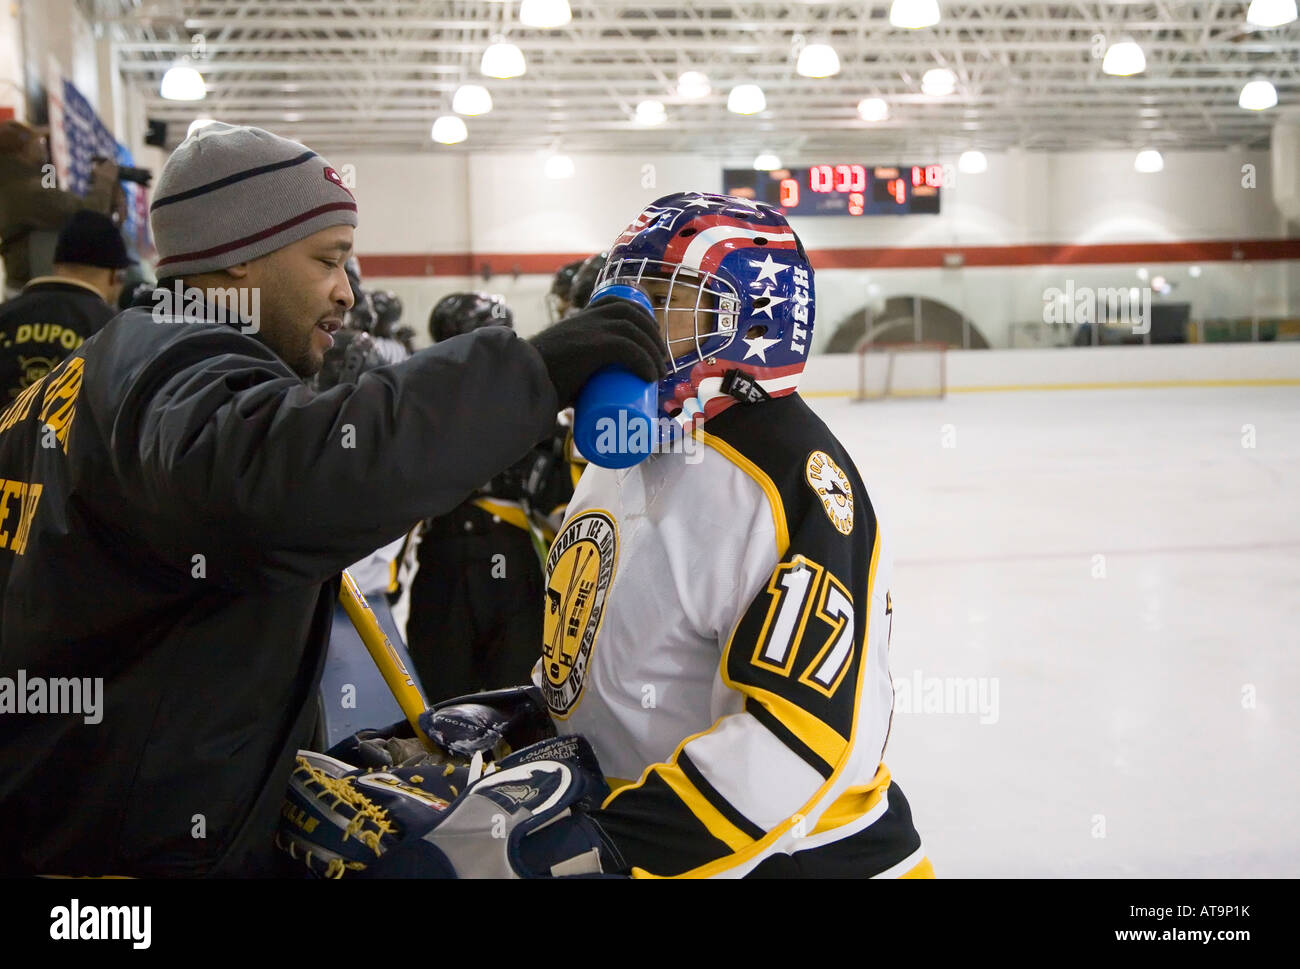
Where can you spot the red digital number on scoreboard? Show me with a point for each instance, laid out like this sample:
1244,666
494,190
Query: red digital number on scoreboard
837,178
930,175
856,203
789,193
850,178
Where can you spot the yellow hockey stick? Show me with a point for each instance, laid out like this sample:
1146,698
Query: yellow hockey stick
381,650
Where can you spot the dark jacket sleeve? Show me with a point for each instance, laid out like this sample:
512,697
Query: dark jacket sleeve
234,453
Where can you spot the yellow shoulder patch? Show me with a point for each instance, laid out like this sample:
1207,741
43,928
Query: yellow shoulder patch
831,485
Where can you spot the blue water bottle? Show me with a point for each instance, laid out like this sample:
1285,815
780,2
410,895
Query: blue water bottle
614,419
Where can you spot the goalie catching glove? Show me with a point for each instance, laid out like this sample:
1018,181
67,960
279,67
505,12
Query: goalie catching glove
526,819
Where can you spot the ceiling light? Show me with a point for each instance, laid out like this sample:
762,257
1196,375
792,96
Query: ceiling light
693,84
559,166
1257,95
1270,13
449,130
503,60
1148,160
746,99
972,163
471,99
914,14
183,83
544,13
1124,58
818,60
873,109
938,81
650,113
767,162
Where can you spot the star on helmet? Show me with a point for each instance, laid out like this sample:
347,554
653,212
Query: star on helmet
767,269
771,302
701,202
758,347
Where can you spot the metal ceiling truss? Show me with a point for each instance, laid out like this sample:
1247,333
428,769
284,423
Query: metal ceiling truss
373,74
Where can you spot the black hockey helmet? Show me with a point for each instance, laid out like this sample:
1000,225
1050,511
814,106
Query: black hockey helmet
388,310
557,300
585,281
462,312
562,284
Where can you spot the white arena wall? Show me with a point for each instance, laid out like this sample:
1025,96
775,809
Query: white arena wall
429,221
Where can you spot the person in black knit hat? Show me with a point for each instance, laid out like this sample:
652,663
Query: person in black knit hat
53,314
179,513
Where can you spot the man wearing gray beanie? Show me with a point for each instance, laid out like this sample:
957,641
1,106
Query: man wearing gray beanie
176,507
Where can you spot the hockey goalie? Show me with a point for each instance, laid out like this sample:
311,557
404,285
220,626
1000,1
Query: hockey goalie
713,676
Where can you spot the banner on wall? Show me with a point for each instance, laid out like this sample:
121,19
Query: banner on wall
77,135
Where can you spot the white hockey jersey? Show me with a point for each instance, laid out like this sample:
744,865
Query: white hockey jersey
717,626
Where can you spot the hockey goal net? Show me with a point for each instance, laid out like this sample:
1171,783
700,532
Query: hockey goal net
902,370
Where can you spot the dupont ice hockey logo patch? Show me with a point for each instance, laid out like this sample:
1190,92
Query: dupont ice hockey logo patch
831,485
579,570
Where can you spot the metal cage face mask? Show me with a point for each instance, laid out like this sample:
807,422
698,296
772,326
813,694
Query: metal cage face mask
698,312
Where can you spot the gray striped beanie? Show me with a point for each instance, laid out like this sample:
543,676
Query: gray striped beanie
229,194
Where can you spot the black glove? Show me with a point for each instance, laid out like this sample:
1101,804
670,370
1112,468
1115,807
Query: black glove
614,331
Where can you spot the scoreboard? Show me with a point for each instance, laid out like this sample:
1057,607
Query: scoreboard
841,189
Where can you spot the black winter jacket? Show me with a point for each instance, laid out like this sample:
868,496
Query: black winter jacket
175,508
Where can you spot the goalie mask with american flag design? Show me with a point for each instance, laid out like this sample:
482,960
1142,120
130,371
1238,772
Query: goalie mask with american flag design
733,293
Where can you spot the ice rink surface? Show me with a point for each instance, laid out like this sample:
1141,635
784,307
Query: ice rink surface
1117,575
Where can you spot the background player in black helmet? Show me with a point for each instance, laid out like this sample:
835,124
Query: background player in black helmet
557,300
387,307
474,608
462,312
584,281
388,311
377,313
